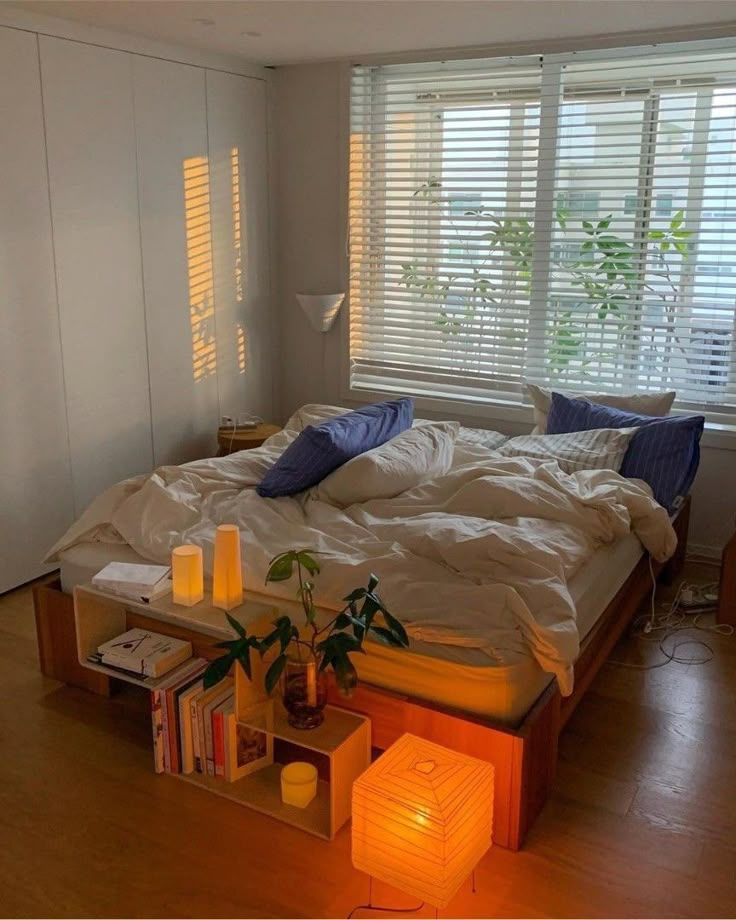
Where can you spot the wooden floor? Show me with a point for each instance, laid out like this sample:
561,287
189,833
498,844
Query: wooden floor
642,822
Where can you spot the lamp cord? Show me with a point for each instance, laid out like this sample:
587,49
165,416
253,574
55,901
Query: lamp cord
388,910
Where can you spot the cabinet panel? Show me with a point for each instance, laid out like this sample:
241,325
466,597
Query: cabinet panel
35,479
90,136
173,180
236,118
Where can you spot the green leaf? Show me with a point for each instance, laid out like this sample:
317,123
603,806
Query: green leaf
237,626
395,627
355,595
385,635
311,565
216,670
274,673
372,582
281,568
656,234
243,660
342,621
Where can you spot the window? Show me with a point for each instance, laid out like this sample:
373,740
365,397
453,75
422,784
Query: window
568,219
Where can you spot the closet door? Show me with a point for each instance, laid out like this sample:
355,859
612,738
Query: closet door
90,136
178,274
236,119
35,481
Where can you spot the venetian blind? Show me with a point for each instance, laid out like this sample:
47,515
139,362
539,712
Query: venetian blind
568,219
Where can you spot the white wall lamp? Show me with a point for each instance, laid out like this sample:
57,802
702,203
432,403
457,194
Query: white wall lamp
321,309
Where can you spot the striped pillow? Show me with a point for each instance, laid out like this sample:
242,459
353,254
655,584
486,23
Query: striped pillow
602,449
665,452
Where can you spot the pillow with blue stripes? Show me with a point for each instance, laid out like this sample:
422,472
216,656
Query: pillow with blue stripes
324,447
664,452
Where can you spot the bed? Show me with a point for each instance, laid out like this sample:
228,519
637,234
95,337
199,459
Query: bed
505,699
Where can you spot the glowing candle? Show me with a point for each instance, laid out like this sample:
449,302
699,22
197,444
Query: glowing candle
298,783
186,575
227,583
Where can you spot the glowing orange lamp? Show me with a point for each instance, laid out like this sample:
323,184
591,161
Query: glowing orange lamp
422,818
187,575
227,581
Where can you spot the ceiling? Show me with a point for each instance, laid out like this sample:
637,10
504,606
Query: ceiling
295,31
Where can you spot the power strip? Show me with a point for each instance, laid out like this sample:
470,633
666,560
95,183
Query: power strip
695,597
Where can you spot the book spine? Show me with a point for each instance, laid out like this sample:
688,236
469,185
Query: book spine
208,741
195,735
185,731
173,731
201,738
157,730
218,743
165,725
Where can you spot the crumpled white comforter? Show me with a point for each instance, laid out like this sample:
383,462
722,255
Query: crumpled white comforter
480,557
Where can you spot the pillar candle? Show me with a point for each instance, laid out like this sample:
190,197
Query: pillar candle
186,575
227,583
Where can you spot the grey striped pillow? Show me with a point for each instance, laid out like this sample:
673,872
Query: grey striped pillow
597,449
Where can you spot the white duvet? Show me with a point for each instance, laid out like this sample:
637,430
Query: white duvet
480,557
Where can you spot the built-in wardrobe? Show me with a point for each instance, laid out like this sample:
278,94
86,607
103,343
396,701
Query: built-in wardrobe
134,274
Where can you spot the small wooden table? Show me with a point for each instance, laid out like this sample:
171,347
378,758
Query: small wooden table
231,440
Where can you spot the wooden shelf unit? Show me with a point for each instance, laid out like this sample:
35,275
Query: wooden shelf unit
341,746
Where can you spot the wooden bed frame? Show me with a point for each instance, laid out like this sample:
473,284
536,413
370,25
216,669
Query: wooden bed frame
524,756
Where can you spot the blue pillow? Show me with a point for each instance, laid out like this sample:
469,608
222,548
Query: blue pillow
321,448
665,452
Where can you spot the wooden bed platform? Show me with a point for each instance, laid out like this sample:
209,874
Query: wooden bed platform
524,757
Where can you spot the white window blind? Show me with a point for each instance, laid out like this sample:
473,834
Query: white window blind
568,219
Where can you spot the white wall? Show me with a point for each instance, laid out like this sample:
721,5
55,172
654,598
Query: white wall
135,257
311,125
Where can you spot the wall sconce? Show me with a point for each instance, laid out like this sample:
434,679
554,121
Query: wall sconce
422,818
321,309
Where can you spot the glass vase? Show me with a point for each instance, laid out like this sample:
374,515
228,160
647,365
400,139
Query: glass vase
304,689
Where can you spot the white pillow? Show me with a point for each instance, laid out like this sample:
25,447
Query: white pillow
407,460
641,403
598,449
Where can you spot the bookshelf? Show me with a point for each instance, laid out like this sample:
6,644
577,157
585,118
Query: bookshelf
340,747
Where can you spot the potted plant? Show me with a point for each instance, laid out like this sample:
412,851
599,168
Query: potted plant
303,657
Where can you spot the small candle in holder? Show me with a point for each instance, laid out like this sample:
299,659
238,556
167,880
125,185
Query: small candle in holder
298,783
227,581
187,575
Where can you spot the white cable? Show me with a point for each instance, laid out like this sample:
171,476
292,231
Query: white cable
667,625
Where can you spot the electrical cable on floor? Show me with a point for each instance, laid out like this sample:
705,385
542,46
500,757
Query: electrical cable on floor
388,910
675,620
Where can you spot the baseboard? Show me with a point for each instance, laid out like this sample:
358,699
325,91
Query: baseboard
704,550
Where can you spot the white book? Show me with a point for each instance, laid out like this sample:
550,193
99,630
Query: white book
135,594
131,576
143,652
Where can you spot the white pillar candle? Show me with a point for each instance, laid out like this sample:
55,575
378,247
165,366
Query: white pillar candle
298,783
187,575
227,582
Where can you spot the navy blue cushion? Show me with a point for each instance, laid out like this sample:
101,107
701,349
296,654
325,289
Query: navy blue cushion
665,452
321,448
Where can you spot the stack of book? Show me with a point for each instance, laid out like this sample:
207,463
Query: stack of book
138,582
196,731
143,653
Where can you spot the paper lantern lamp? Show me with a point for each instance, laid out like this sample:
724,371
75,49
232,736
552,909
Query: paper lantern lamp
227,581
187,575
422,818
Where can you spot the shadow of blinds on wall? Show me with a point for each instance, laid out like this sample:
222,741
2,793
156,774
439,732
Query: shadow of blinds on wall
569,219
198,221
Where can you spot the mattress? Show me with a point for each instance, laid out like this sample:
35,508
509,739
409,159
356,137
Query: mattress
465,679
